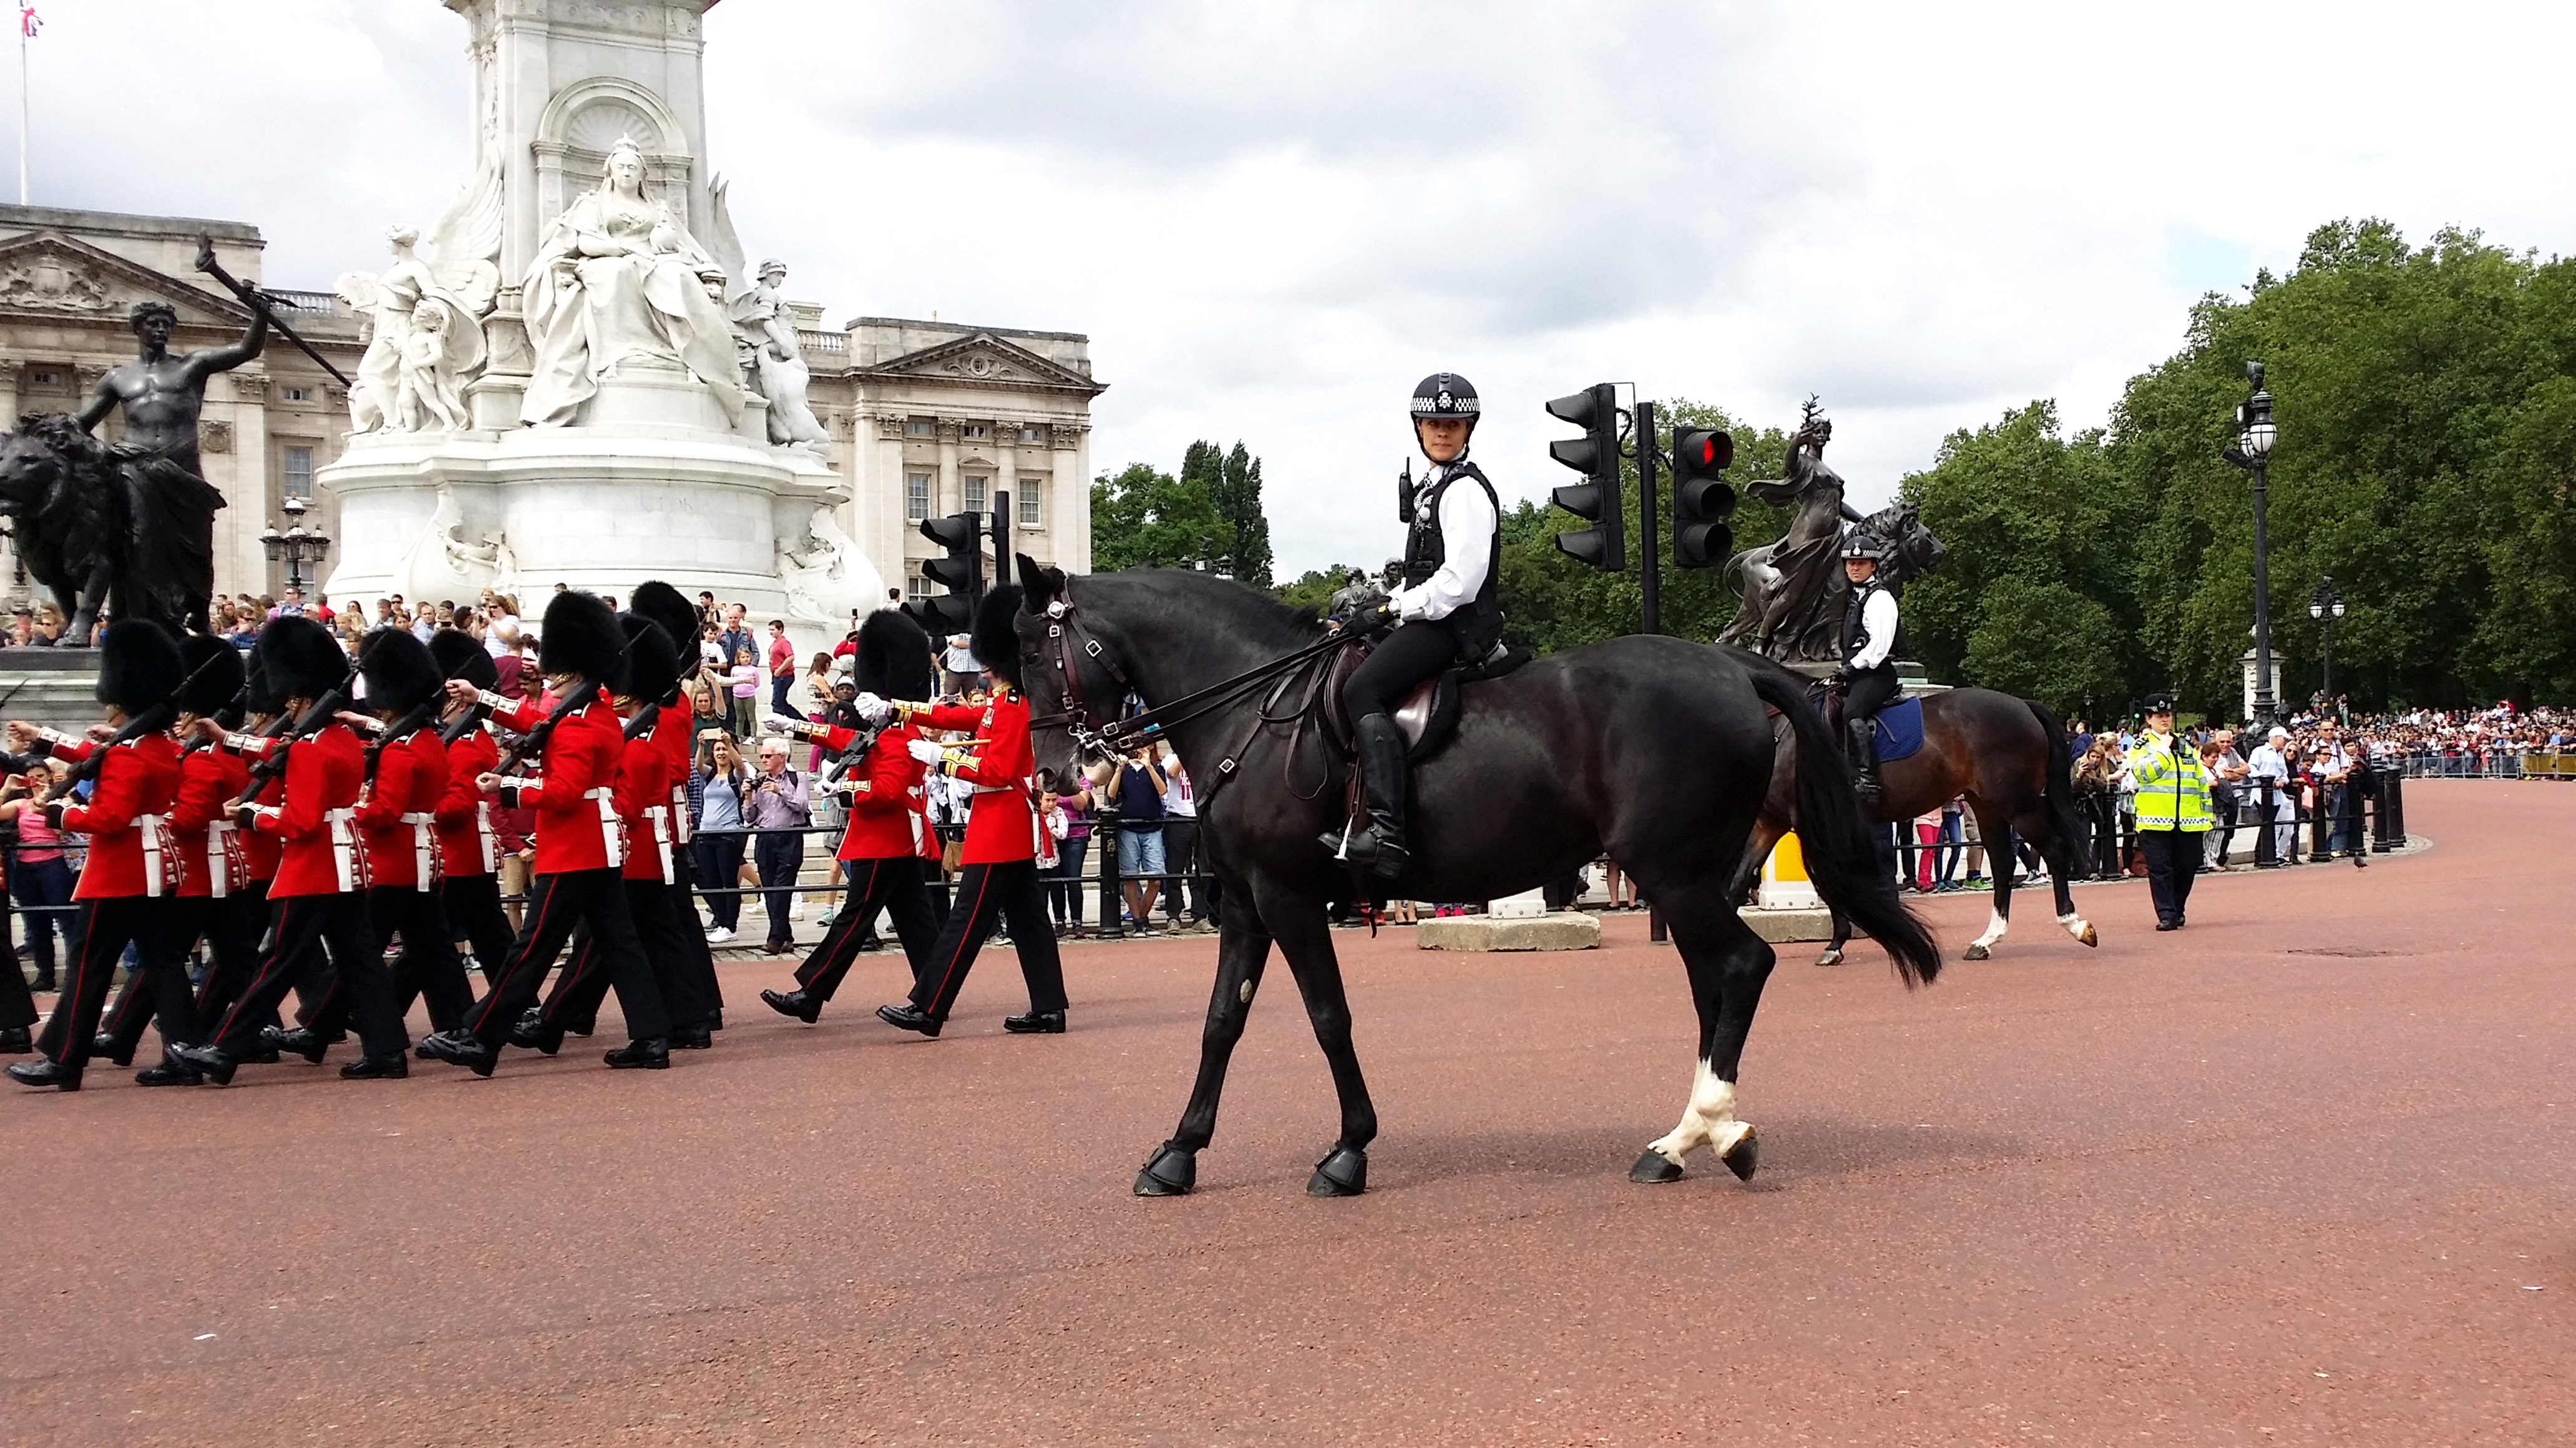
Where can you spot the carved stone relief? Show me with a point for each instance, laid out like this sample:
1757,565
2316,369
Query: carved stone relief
51,282
215,437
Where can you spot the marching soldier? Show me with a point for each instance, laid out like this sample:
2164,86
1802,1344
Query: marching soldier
1000,858
889,832
580,844
1872,634
672,730
128,888
317,902
2173,811
469,849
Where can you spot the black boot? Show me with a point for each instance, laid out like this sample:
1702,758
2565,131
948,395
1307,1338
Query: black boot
648,1055
1863,744
42,1072
1378,847
803,1005
16,1042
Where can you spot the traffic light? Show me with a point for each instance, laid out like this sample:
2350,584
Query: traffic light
1702,498
1595,409
961,572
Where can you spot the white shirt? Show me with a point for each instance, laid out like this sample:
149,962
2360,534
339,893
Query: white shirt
2268,763
1467,525
1878,622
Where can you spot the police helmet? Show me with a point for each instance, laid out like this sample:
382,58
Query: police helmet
2158,704
1445,395
1862,545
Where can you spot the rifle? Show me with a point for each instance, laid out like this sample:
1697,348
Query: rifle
534,741
273,764
258,301
402,728
153,719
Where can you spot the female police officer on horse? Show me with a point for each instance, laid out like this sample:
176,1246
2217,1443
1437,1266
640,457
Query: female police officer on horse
1445,613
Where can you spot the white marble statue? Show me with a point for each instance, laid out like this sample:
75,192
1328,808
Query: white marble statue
778,370
618,279
825,575
445,347
461,275
441,563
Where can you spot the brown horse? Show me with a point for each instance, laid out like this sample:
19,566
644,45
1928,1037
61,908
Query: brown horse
2009,758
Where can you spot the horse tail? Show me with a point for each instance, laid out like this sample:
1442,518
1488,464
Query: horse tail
2058,792
1833,834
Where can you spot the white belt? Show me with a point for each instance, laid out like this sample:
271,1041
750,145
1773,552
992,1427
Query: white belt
611,833
660,815
154,861
485,836
220,848
345,858
424,850
679,814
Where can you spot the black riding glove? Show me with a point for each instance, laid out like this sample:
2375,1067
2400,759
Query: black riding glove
1843,677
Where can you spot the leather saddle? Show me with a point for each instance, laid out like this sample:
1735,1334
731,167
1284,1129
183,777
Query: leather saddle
1428,717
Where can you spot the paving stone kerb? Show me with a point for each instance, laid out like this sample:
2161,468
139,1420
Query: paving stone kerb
1562,930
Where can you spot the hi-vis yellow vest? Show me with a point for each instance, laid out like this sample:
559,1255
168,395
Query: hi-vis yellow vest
2173,788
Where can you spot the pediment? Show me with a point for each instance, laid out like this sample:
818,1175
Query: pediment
48,273
983,357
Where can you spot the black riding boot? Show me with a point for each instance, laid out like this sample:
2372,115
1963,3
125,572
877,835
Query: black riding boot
1384,773
1863,743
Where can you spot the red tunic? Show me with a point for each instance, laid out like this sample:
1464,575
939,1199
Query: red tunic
644,804
888,811
582,757
128,810
464,813
211,856
671,731
313,821
1002,822
398,818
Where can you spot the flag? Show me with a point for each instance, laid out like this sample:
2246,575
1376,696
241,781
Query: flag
29,22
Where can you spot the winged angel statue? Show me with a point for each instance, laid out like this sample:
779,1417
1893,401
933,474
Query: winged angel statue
427,315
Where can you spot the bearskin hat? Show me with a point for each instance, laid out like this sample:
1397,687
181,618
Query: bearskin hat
138,665
460,656
582,637
894,658
996,640
300,657
652,661
212,674
258,696
678,617
401,676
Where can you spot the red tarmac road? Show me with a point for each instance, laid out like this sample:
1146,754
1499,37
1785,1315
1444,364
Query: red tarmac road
2299,1174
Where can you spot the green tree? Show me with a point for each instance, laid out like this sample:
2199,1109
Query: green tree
1143,518
1237,494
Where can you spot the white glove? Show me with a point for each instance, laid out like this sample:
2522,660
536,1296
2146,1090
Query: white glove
872,708
775,725
923,750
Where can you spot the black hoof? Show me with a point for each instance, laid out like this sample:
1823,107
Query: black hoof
1976,952
1169,1172
1654,1169
1344,1173
1743,1157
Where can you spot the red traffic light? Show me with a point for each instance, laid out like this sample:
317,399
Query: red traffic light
1700,452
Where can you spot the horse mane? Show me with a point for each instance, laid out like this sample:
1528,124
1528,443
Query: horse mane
1246,610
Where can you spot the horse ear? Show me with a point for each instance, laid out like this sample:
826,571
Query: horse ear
1042,584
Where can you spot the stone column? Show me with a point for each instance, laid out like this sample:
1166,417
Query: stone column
1069,511
241,564
1006,472
952,486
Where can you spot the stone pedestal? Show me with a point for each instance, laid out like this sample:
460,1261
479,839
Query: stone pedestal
1563,930
53,687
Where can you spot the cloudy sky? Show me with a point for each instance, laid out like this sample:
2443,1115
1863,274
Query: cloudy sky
1272,218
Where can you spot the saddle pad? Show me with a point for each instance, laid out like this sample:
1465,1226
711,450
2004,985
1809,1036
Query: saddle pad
1900,730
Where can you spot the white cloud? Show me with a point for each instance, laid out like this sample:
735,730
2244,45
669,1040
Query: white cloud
1272,218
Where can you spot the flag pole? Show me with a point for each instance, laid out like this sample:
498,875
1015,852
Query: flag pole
22,107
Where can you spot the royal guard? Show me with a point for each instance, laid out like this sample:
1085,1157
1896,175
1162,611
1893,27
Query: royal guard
889,832
678,617
201,835
317,903
580,841
469,848
644,807
999,874
128,891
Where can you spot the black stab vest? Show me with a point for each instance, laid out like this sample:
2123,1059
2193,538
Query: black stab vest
1479,621
1855,637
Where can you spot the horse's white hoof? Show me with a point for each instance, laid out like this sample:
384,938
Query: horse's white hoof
1830,957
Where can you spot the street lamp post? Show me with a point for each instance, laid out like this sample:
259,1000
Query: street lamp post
2255,435
2325,606
297,544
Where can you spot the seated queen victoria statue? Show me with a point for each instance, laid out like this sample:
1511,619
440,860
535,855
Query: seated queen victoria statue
618,280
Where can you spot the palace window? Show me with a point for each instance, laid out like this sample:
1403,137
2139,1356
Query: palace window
974,432
297,394
1033,435
916,497
979,493
1031,501
296,478
920,427
45,379
916,588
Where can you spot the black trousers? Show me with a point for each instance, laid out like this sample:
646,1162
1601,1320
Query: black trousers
1009,890
17,1003
1397,665
473,905
719,858
892,885
303,932
2173,860
697,962
154,927
428,965
1871,691
1180,855
779,857
573,1004
230,928
556,903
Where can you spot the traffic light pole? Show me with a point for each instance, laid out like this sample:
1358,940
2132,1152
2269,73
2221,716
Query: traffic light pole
1650,575
1001,538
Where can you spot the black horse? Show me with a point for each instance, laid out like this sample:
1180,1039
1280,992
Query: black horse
2007,756
100,526
1652,749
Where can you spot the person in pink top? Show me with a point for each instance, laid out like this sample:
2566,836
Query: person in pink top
745,678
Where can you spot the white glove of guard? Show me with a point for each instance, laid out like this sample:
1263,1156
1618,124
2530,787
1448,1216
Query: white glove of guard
774,725
872,708
923,750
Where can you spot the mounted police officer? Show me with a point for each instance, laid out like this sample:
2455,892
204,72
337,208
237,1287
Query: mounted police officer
1446,613
1872,636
